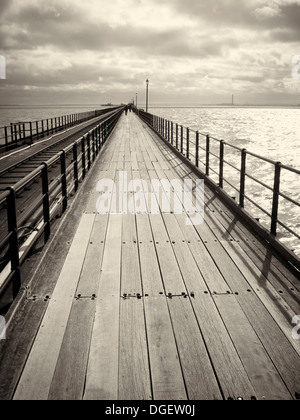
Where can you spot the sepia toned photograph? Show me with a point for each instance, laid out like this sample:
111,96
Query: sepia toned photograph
150,203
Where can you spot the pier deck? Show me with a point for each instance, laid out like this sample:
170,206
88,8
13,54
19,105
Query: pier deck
147,307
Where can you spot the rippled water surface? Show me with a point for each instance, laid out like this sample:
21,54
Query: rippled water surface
269,132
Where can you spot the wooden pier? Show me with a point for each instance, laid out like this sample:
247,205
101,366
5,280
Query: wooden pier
144,306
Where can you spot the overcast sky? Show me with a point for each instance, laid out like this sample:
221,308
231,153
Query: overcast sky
192,51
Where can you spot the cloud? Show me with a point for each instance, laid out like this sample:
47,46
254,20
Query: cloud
101,47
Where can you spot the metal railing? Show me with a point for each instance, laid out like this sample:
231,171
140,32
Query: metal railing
214,158
27,132
51,200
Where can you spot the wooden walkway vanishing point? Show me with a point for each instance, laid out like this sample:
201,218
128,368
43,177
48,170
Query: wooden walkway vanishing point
146,307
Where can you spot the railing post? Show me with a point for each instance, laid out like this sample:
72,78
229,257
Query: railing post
276,198
43,128
181,140
98,139
64,180
20,131
15,133
37,129
102,134
88,141
207,155
83,157
197,149
52,128
188,143
176,136
106,130
11,133
172,133
31,134
243,178
46,201
6,136
13,240
75,159
94,139
221,170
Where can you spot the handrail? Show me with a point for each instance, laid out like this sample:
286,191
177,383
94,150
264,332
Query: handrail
53,195
215,163
28,131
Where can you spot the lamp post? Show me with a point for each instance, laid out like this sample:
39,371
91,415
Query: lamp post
147,92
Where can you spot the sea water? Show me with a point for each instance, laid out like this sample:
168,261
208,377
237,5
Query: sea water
272,132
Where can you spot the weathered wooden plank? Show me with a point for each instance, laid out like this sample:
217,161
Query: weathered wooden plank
219,346
264,377
171,274
130,274
89,279
133,160
199,376
102,371
91,206
190,251
210,271
278,346
150,272
261,255
281,312
36,379
166,374
69,377
134,371
19,339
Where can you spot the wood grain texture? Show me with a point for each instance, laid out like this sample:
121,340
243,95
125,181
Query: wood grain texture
36,379
134,369
263,375
166,374
102,371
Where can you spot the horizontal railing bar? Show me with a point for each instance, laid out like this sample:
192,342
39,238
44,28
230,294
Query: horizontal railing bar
28,178
288,229
215,172
232,186
55,192
258,206
213,154
289,199
259,182
291,169
268,234
231,145
230,164
272,162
